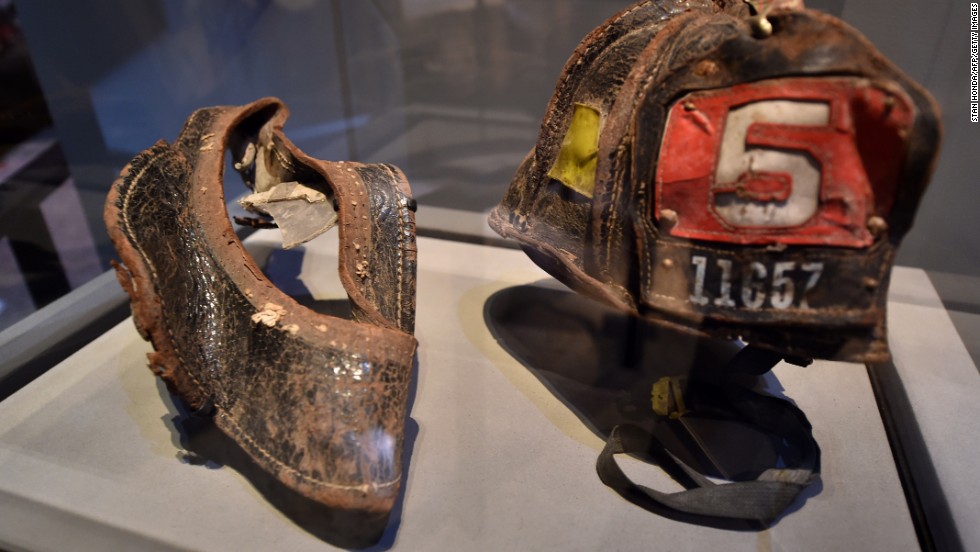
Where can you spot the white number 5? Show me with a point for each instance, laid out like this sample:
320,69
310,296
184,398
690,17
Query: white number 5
763,187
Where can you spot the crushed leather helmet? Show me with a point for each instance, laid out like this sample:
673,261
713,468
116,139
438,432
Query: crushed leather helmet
743,171
318,402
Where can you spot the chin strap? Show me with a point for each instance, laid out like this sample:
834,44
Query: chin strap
759,501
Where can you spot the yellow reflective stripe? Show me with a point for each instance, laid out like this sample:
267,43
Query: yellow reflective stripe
577,160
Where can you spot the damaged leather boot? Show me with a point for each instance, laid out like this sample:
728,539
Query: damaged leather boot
318,402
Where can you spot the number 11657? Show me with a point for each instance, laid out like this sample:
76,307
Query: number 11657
782,285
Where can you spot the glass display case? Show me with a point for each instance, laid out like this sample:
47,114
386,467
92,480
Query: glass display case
517,381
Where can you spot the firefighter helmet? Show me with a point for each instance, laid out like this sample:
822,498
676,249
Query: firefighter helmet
742,171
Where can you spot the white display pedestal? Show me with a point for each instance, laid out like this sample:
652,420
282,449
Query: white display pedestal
89,460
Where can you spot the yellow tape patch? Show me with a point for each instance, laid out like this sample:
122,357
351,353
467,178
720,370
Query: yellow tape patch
578,158
667,397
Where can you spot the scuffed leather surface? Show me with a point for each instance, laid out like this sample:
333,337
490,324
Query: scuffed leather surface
632,69
318,402
390,257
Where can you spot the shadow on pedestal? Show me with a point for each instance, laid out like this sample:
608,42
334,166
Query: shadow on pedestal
727,419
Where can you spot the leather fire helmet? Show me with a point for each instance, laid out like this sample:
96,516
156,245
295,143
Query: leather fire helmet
741,171
317,401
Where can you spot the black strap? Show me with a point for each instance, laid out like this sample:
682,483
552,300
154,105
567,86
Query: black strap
758,501
761,500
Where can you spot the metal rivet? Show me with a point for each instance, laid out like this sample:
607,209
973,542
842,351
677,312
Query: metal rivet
689,106
889,106
668,217
668,263
877,226
761,27
871,283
